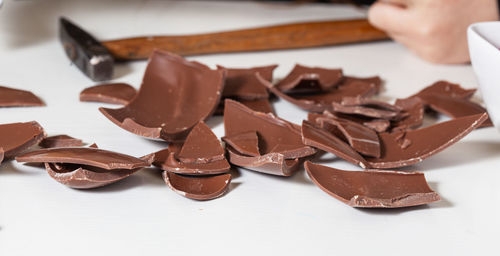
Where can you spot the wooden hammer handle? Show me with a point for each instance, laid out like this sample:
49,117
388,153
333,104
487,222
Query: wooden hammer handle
290,36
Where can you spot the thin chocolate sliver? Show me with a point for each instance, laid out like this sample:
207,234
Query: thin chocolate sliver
16,138
174,96
242,83
271,163
425,142
116,93
60,141
245,143
448,89
262,105
198,187
373,188
10,97
367,107
304,79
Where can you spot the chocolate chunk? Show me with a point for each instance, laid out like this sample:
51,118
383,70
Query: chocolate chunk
373,188
175,95
271,163
378,125
60,141
201,154
275,134
85,177
245,143
16,138
425,142
367,107
414,107
95,157
118,93
10,97
447,88
321,139
198,187
304,79
242,83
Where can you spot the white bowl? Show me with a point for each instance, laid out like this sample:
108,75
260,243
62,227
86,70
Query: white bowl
484,48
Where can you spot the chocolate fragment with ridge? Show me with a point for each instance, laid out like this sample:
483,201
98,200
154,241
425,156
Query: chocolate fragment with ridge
116,93
198,187
271,163
368,108
16,138
60,141
246,143
10,97
447,89
373,188
174,96
304,79
242,83
424,142
262,105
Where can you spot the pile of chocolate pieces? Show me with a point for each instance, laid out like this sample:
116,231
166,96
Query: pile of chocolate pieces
177,96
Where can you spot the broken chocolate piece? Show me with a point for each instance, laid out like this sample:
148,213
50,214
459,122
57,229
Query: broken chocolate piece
271,163
198,187
242,83
379,125
10,97
118,93
448,89
60,141
263,106
425,142
85,177
414,107
304,79
367,107
245,143
16,138
373,188
100,158
174,96
321,139
201,154
160,157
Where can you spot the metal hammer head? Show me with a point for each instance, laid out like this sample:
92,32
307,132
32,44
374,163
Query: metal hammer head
90,56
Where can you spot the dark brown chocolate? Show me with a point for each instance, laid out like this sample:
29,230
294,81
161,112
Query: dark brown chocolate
16,138
448,89
326,141
373,188
242,83
271,163
174,96
198,187
403,148
304,79
95,157
10,97
60,141
117,93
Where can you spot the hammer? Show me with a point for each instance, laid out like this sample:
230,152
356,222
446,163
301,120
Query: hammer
95,59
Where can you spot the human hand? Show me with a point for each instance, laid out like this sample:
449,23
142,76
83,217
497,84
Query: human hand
435,30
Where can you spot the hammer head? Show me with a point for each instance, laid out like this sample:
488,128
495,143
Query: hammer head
90,56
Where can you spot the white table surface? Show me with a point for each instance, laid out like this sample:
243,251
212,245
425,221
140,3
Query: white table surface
261,214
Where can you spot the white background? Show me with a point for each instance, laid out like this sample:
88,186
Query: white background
261,214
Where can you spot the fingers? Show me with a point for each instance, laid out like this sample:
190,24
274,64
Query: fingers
392,18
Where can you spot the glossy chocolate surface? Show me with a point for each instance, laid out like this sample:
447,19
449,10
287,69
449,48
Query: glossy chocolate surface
367,107
242,83
60,141
198,187
304,79
448,89
10,97
117,93
271,163
15,138
244,143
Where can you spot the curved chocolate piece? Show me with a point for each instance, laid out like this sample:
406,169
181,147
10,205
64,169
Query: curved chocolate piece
199,187
15,138
242,83
10,97
272,163
321,139
448,89
414,107
319,102
373,188
175,95
304,79
367,107
424,142
262,105
117,93
245,143
60,141
104,159
275,135
85,177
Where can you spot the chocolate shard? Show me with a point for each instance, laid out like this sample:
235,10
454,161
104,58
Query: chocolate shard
319,102
272,131
95,157
85,177
304,79
262,105
116,93
60,141
242,83
448,89
425,142
378,125
201,154
367,107
246,143
174,96
198,187
322,139
415,109
373,188
160,157
271,163
10,97
16,138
